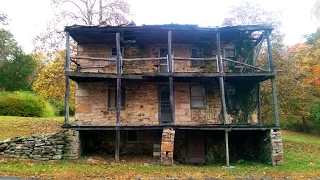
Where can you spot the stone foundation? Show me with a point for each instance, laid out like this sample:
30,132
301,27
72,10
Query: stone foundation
277,148
63,144
167,146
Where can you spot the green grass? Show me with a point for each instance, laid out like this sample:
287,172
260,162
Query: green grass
301,153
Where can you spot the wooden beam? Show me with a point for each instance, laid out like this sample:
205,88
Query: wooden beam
259,104
118,101
92,58
275,102
193,59
172,99
270,59
117,149
170,63
118,58
244,64
227,147
221,81
220,65
67,91
145,59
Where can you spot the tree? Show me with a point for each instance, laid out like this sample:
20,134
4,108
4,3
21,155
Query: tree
50,82
17,72
81,12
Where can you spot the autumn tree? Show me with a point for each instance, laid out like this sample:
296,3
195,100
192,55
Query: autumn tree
50,82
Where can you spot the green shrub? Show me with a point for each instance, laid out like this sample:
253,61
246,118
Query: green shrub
59,108
25,104
314,110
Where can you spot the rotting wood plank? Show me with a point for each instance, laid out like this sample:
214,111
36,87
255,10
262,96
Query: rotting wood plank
275,102
67,91
227,147
244,64
270,60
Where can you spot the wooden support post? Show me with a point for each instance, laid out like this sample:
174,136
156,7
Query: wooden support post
221,81
170,63
67,91
118,100
259,103
227,147
172,100
117,145
270,59
170,69
275,102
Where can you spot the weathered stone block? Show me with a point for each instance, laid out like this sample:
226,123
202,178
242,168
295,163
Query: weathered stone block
167,146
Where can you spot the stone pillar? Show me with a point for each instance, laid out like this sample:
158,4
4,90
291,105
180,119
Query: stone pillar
277,147
167,146
72,146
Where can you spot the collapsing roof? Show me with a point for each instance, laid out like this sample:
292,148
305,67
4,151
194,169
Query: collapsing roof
181,34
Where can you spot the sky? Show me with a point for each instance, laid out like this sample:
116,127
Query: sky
30,18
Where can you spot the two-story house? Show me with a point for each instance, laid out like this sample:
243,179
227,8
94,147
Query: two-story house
180,92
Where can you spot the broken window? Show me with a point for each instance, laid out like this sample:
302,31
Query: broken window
198,97
112,97
132,136
197,53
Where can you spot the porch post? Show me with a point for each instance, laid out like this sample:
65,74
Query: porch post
67,91
259,104
170,64
273,81
227,147
118,100
221,81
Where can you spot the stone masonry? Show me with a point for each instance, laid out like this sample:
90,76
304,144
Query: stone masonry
277,148
167,146
62,144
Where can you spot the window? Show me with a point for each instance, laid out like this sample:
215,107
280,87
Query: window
230,53
132,136
198,97
196,53
112,97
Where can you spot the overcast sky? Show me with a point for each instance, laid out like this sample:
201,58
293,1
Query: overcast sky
30,17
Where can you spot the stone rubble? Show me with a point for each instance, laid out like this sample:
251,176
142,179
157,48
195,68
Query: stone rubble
63,144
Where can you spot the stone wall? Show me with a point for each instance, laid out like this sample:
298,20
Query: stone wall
141,107
63,144
147,51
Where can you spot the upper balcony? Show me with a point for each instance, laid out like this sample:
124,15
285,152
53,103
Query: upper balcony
142,52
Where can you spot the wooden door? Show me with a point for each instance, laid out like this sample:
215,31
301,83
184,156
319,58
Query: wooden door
196,153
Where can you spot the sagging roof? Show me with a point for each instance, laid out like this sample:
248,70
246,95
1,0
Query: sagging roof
159,33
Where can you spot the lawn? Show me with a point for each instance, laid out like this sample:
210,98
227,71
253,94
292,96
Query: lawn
301,151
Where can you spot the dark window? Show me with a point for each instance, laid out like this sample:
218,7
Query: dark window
197,53
132,136
198,97
112,96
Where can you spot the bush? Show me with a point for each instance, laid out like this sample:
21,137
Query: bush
314,110
59,109
25,104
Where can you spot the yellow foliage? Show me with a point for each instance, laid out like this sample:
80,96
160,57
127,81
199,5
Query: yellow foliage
50,82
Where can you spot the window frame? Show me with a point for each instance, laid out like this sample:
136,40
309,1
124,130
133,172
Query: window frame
123,96
137,136
203,97
198,63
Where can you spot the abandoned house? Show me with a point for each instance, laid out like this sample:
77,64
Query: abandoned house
177,92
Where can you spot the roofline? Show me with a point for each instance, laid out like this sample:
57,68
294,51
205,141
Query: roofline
82,28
